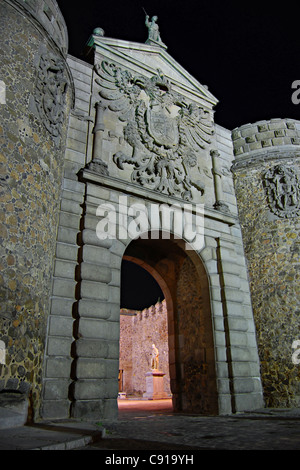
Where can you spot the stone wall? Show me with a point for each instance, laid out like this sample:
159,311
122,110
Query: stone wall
138,331
52,249
197,351
49,20
32,132
268,194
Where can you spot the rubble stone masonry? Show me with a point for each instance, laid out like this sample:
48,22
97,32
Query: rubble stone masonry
267,189
32,134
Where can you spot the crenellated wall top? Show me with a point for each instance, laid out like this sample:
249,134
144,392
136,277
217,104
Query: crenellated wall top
265,136
48,14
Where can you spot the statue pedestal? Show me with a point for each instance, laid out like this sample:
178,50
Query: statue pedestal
155,385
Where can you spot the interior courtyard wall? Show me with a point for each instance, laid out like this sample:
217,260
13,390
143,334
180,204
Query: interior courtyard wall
33,129
138,331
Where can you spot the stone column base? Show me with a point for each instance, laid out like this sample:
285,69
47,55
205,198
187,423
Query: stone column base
155,385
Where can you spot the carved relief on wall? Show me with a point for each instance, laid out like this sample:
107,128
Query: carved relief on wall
164,130
50,93
283,191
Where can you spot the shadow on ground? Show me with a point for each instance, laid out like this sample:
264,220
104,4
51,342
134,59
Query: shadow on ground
136,445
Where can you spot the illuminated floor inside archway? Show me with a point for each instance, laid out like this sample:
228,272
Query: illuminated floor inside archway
131,407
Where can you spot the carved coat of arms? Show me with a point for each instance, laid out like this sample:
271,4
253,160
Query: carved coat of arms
283,191
50,94
163,129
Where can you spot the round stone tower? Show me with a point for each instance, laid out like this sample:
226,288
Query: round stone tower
267,182
36,94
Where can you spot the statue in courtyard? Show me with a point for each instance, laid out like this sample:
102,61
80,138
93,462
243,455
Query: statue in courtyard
155,357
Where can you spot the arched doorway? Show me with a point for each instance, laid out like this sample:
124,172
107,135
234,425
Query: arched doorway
183,280
143,322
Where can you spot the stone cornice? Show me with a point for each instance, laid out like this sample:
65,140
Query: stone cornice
253,159
125,187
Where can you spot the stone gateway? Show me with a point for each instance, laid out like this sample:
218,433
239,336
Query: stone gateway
130,124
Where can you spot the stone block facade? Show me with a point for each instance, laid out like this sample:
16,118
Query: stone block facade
203,370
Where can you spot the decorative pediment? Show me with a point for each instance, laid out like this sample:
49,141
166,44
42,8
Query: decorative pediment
147,58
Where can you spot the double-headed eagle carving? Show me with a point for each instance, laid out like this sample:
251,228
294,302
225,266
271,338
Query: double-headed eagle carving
164,130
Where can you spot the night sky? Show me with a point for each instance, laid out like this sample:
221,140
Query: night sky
139,289
247,53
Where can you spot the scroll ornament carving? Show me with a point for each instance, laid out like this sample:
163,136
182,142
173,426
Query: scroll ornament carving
283,191
164,130
50,94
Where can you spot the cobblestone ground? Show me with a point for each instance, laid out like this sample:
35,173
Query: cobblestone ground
158,428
